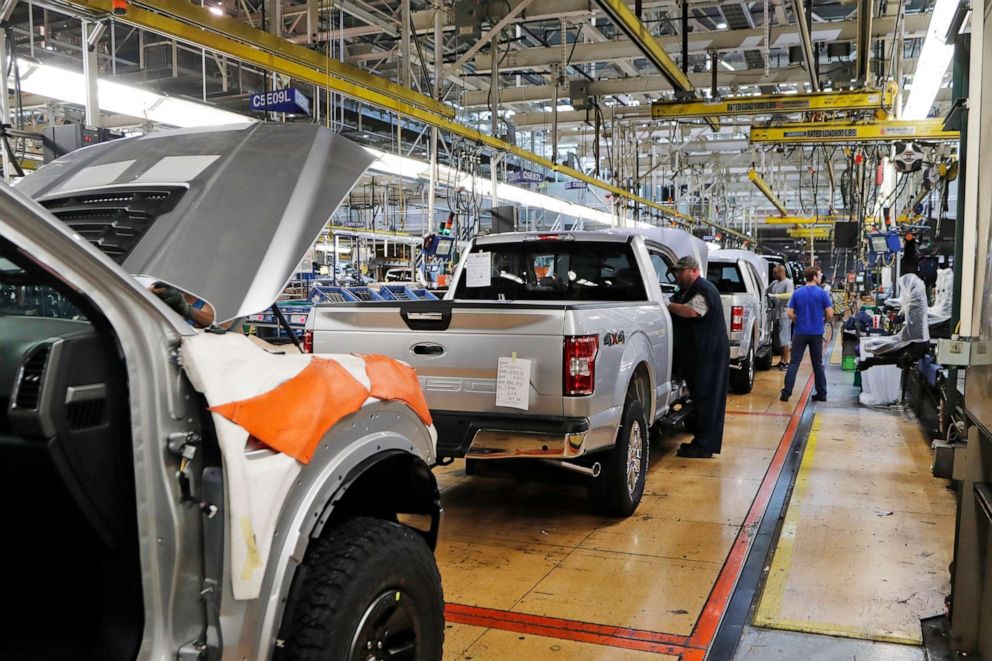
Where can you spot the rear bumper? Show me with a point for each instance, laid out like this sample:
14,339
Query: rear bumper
498,436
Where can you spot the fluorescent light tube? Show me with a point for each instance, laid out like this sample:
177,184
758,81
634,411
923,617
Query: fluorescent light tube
932,65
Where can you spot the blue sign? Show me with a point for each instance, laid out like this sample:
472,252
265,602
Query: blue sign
289,100
524,177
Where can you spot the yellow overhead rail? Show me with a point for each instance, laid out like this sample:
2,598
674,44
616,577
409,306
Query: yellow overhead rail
766,190
802,220
195,25
777,103
641,37
810,233
841,132
338,76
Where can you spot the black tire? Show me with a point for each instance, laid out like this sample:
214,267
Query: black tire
472,466
620,485
742,380
365,582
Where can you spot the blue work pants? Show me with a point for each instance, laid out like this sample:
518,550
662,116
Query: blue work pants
799,345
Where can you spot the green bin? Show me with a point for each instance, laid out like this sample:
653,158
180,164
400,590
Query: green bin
849,363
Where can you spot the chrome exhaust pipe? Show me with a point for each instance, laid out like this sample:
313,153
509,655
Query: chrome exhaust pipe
592,471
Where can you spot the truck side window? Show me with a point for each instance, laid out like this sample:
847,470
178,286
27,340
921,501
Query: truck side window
661,267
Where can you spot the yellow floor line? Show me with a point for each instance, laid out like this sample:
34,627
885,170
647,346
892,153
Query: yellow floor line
769,609
836,355
771,598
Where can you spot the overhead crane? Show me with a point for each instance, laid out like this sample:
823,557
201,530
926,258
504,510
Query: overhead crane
639,35
850,131
226,36
870,100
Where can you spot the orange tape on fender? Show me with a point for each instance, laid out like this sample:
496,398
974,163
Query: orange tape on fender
295,415
392,380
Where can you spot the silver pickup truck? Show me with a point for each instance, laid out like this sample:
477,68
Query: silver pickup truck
147,525
554,346
742,279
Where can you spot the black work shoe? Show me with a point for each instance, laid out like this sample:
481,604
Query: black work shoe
783,367
819,398
783,397
690,451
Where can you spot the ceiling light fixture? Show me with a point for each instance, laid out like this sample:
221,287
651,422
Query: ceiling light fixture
727,65
69,87
932,65
413,169
216,10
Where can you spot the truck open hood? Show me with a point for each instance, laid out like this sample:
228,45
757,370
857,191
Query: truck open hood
226,213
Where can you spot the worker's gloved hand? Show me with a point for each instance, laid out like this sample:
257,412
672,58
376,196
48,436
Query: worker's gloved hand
173,298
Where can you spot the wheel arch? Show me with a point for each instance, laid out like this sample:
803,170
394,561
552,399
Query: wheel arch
388,485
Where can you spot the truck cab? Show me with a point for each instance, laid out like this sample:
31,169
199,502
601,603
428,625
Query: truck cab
741,277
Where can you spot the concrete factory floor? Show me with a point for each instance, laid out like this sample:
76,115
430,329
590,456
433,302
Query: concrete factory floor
530,573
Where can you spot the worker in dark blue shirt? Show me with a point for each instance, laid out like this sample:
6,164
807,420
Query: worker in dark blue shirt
809,308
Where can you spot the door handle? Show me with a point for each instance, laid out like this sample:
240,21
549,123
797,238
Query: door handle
428,350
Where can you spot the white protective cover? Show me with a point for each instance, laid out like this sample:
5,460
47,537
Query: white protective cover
940,311
228,368
880,385
913,302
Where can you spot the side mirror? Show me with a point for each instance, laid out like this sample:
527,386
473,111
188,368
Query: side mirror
667,288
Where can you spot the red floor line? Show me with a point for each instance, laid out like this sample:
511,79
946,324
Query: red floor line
716,605
561,624
771,414
690,648
534,625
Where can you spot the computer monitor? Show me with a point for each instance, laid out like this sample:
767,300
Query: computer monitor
444,246
879,243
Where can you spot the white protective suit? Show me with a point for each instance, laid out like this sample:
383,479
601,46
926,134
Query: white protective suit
941,309
913,299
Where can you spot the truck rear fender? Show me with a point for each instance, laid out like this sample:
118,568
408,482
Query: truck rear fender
635,365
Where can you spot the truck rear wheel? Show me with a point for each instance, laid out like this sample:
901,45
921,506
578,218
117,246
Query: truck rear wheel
618,489
367,589
742,379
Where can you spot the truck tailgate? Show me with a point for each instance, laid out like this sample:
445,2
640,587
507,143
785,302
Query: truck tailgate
454,346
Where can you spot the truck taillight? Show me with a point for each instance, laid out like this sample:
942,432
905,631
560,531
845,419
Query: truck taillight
308,341
580,364
736,319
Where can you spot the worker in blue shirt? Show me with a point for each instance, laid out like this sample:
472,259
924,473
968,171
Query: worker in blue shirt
809,308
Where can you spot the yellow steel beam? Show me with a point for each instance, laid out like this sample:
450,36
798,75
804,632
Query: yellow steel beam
766,190
641,37
270,56
340,77
810,233
776,103
839,132
801,220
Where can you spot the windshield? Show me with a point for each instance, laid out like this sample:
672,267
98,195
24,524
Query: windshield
20,298
726,277
555,271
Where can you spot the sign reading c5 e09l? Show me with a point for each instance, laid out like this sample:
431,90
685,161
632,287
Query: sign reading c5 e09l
289,100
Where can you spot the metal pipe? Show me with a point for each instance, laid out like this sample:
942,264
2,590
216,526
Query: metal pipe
4,105
863,56
405,77
91,33
591,471
809,57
